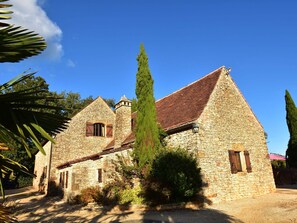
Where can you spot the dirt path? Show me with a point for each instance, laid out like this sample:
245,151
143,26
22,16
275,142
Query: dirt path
280,206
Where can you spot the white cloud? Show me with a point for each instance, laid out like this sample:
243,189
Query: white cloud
70,63
28,14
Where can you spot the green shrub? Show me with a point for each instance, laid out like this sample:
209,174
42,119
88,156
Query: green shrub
111,192
91,194
25,181
175,177
278,164
131,196
74,199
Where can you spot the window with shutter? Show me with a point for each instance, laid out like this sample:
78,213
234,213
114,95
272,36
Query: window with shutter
236,157
247,161
109,130
89,129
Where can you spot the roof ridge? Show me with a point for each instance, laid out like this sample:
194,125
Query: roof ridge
191,83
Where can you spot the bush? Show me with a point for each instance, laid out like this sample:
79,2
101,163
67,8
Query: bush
278,164
111,192
73,199
131,196
25,181
91,194
175,177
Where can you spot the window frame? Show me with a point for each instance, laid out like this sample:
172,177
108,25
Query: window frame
99,129
239,161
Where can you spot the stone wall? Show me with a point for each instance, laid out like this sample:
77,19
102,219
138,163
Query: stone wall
123,121
184,139
42,168
85,174
228,123
73,142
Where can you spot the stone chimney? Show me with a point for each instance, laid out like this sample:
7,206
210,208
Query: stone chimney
123,121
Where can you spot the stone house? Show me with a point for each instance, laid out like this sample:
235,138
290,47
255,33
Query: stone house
209,117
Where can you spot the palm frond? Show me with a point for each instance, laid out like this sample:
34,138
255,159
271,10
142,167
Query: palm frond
23,117
4,14
7,164
18,43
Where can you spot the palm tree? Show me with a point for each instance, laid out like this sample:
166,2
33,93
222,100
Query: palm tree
23,121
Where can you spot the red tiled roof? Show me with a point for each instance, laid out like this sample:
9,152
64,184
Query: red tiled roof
186,104
274,156
173,111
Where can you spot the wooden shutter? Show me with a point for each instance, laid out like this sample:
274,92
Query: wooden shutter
232,160
66,181
61,179
109,130
100,175
89,129
247,161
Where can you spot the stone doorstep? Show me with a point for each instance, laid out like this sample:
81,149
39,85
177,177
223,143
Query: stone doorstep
135,207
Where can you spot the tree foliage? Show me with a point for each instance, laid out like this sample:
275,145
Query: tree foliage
147,134
69,104
291,117
23,121
175,177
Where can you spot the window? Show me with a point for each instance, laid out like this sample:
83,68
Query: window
98,129
64,179
100,175
238,163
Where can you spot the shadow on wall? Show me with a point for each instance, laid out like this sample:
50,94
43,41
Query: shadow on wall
54,190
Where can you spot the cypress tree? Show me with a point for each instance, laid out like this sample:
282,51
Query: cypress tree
291,117
146,132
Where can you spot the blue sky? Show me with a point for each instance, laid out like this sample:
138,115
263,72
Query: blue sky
92,48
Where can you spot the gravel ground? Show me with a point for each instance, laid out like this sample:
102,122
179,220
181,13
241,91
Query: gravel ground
278,207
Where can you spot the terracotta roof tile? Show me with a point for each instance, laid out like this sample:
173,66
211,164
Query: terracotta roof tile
186,104
174,110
